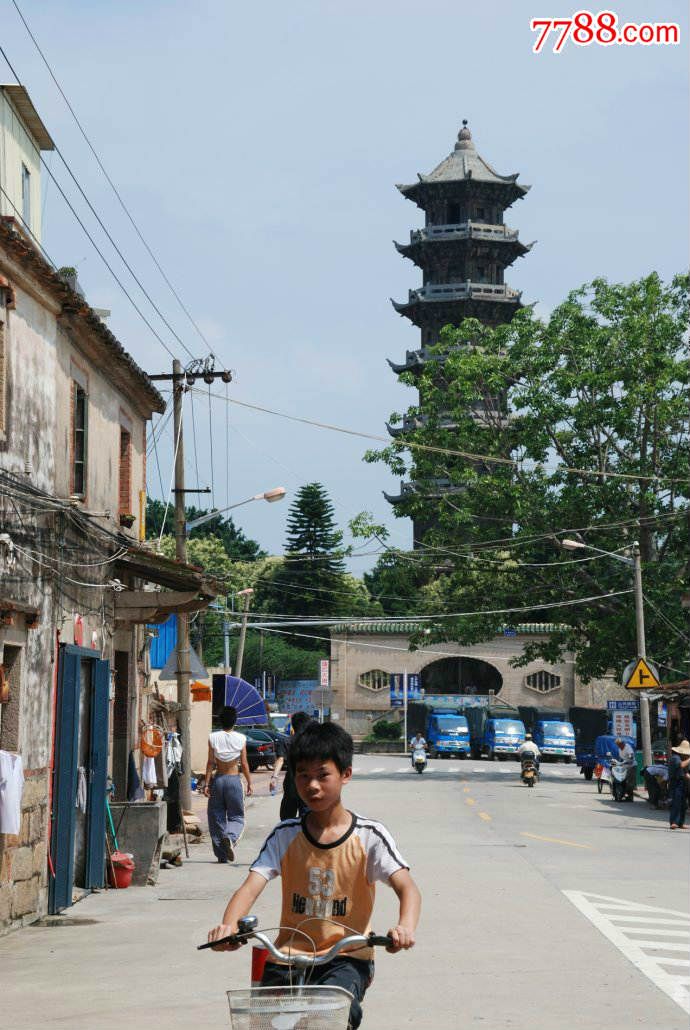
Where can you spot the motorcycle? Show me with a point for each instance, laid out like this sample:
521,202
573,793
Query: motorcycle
300,1006
419,760
619,780
529,770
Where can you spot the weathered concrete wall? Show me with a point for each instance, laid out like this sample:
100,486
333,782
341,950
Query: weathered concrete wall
18,147
353,655
109,410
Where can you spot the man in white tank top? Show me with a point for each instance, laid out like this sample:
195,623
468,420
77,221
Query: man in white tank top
227,754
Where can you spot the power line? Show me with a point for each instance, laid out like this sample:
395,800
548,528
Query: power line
451,452
97,248
111,183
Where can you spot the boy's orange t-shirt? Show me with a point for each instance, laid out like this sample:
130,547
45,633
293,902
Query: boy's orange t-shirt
328,884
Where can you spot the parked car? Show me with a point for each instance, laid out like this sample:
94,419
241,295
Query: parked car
260,748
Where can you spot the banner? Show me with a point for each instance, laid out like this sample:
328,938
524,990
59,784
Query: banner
414,688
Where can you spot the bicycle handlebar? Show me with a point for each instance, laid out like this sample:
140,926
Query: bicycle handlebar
371,940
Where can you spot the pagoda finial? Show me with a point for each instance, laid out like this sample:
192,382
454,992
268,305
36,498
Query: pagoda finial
464,138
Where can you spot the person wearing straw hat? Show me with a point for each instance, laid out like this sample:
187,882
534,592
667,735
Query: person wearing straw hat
677,784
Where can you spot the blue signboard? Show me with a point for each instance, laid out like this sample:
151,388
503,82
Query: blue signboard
622,706
414,688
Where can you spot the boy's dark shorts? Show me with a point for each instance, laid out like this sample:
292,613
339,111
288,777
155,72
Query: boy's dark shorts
352,974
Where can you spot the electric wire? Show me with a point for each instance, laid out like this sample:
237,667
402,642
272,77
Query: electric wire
451,452
111,183
172,480
679,633
95,245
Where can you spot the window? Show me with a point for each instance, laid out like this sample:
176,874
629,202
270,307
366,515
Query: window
79,440
455,274
543,681
374,680
125,500
481,213
453,214
26,196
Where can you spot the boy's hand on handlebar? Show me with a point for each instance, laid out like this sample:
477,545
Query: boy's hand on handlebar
218,932
402,939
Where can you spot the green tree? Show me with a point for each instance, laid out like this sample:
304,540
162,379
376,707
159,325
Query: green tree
581,422
311,579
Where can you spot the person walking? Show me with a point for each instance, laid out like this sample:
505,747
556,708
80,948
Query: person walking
678,765
291,806
227,753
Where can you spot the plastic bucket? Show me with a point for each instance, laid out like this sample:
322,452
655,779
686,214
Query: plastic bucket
120,870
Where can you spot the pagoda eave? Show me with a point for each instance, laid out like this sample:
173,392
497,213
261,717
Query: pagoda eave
429,314
506,192
425,253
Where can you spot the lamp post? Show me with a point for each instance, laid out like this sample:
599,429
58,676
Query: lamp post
246,595
276,494
636,565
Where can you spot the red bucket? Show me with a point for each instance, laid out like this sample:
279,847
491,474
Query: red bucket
120,869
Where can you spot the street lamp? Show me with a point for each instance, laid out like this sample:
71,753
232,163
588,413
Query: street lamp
636,565
276,494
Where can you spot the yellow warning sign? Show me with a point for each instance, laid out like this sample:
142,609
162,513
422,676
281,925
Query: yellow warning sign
642,677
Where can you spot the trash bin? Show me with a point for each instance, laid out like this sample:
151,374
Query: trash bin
120,870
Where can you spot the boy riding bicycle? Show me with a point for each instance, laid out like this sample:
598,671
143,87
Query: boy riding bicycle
329,862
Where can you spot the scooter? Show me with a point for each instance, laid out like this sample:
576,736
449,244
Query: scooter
619,780
529,770
419,760
300,1006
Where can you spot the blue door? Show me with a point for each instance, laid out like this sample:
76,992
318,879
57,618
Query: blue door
83,679
98,774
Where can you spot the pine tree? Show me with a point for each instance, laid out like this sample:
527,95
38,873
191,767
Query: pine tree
311,580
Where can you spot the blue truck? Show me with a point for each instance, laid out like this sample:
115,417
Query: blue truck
590,723
495,732
445,729
551,732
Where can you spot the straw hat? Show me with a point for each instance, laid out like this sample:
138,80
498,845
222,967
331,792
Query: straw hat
682,749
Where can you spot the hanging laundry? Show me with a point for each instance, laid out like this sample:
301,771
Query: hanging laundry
11,788
148,772
82,790
173,752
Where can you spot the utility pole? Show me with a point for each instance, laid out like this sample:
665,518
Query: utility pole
246,596
181,380
641,652
182,618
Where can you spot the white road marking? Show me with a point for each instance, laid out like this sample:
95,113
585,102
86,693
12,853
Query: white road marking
596,907
379,769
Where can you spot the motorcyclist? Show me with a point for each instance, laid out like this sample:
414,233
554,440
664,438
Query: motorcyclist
529,748
416,743
627,755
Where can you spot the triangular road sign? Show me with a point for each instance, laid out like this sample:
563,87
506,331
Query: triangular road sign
643,676
169,670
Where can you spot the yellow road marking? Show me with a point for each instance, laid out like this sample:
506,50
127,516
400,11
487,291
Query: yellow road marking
466,790
470,801
555,840
485,816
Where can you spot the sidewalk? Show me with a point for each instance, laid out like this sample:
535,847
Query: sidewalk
127,960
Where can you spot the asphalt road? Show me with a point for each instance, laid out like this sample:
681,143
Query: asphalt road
544,909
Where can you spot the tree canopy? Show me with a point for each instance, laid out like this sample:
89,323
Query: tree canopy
544,429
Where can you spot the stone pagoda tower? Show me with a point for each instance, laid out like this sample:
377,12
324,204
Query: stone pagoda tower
463,252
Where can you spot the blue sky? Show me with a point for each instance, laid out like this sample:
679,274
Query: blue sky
258,147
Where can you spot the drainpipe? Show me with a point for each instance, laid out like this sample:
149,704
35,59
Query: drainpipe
51,767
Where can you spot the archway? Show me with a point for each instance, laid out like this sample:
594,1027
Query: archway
460,676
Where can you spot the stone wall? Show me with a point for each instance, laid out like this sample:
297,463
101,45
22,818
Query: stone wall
354,654
23,859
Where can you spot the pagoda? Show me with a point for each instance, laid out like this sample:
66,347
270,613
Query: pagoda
463,252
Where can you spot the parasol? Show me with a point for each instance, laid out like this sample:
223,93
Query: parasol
231,690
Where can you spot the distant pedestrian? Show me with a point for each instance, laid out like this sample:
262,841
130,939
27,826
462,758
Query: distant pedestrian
291,805
678,765
227,753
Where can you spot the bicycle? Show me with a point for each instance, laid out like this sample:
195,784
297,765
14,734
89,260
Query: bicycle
300,1006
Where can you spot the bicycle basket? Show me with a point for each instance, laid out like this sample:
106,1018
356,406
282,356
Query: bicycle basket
290,1008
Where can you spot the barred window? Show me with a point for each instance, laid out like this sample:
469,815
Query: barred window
543,681
375,679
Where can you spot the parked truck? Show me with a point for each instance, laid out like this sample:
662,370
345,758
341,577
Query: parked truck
588,723
551,732
445,729
495,731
